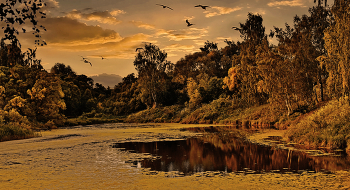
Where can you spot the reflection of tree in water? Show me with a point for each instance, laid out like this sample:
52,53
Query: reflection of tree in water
224,152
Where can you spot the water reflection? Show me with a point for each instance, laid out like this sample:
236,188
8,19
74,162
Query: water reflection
224,151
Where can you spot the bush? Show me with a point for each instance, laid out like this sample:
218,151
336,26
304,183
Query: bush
328,126
14,131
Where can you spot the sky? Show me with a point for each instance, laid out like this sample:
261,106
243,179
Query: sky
113,29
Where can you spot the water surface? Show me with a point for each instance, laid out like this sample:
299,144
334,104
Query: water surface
220,149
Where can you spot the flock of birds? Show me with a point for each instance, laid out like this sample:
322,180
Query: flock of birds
86,60
188,23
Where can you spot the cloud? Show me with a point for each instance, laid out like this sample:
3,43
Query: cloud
68,31
178,47
105,17
220,11
291,3
185,34
52,4
65,33
140,24
260,12
107,79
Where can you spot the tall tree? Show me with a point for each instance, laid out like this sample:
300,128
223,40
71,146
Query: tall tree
253,33
152,68
337,43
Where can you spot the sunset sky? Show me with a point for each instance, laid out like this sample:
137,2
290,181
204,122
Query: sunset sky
115,28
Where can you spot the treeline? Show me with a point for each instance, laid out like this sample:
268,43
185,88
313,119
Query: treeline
310,64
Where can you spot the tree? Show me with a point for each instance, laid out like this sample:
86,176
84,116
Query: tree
18,13
314,27
337,43
46,99
253,33
152,68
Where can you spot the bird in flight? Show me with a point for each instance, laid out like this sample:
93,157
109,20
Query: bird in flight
236,28
188,23
103,58
164,6
203,6
138,49
86,61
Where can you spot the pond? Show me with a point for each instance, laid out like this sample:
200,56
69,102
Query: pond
221,149
164,156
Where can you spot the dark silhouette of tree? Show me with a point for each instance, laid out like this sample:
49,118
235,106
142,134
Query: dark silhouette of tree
19,13
252,29
209,46
62,70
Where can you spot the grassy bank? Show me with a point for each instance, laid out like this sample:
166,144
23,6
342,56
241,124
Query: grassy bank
220,111
326,125
13,132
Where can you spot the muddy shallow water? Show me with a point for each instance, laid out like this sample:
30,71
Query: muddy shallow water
130,156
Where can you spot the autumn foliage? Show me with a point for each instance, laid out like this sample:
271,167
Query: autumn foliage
246,81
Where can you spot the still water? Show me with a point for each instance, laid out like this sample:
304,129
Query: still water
220,149
134,156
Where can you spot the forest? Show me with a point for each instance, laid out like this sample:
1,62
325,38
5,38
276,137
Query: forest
302,84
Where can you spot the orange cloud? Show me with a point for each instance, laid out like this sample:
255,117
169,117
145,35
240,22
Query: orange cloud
220,11
65,33
140,24
184,34
178,47
292,3
105,17
65,30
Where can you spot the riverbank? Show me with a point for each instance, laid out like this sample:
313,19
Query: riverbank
83,158
325,125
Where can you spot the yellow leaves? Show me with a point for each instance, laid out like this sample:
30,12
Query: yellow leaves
193,92
337,41
2,90
261,86
36,93
16,102
231,80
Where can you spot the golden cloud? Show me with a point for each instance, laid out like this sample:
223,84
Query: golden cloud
140,24
178,47
65,30
105,17
220,11
64,33
185,34
292,3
